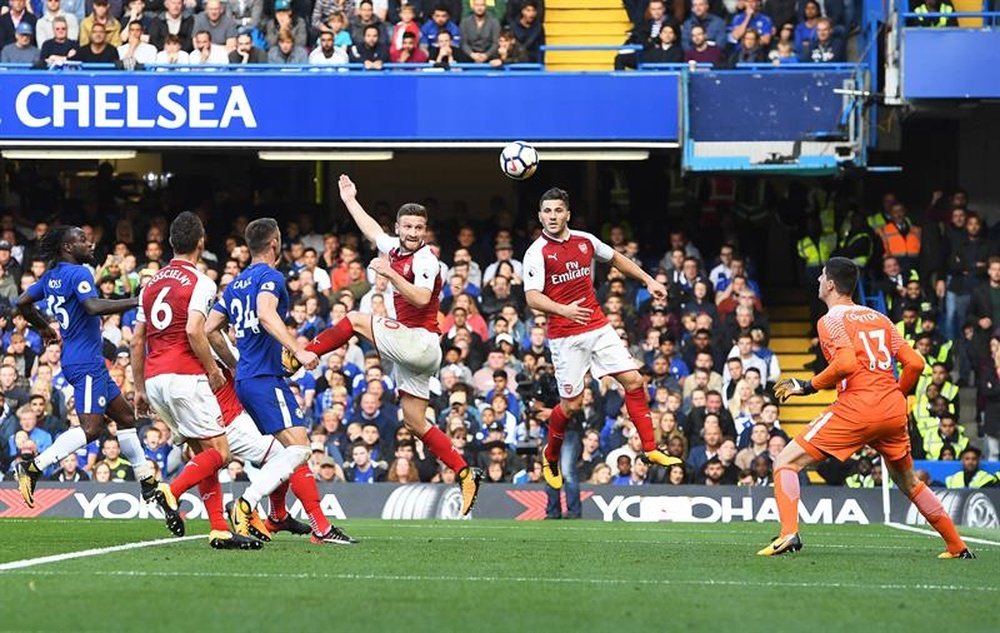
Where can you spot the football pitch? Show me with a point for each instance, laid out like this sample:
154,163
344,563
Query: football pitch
505,576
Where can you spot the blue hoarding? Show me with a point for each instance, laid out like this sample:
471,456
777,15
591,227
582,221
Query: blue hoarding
951,63
304,106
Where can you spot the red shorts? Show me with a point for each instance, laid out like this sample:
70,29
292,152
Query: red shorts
838,436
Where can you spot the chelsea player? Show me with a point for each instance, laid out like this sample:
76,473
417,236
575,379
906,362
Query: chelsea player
255,305
67,288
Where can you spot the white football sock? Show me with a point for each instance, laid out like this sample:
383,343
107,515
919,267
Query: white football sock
276,470
132,449
66,444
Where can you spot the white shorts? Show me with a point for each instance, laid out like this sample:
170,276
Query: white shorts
415,354
599,351
248,443
186,404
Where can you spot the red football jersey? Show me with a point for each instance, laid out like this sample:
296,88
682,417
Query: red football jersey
564,272
164,303
420,268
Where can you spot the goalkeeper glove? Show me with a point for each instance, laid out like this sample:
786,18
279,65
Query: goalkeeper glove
793,387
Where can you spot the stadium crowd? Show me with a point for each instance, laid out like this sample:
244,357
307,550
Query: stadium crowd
704,349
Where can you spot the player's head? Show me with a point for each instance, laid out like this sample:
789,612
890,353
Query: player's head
66,243
187,234
553,211
839,278
263,237
411,225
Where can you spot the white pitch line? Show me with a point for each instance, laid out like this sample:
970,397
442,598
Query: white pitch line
97,551
519,579
916,530
484,539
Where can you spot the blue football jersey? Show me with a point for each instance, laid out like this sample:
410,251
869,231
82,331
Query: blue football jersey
260,353
64,288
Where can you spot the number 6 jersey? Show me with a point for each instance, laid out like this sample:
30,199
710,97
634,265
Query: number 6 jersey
260,353
164,303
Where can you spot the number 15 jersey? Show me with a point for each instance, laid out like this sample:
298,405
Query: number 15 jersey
871,391
260,353
65,287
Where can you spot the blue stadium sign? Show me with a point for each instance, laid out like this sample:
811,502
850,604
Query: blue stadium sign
227,107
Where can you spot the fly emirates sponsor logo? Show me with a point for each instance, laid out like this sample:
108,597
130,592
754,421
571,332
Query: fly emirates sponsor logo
573,271
133,107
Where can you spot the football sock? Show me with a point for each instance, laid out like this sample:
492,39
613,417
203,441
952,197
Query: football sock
637,404
930,506
331,338
202,465
278,511
66,444
439,444
304,487
557,431
132,449
276,470
211,495
786,493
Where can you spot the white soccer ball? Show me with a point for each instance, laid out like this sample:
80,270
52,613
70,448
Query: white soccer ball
518,160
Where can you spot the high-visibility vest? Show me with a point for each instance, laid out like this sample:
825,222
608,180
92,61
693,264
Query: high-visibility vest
949,390
940,22
901,328
933,444
860,260
816,254
860,481
896,244
943,352
877,221
979,480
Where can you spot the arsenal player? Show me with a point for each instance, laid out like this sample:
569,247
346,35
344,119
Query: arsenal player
559,280
412,340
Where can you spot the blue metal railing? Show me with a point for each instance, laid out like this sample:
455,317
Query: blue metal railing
261,68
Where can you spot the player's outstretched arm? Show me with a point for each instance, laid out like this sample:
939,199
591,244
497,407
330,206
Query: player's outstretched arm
138,362
913,366
100,307
414,294
26,306
267,313
349,194
572,311
213,330
633,270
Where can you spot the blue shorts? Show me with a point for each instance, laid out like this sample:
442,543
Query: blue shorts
93,389
270,403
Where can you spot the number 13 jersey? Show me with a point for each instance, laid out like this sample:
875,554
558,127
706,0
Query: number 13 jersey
164,304
871,391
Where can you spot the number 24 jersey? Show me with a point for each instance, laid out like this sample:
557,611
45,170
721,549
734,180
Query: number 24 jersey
260,353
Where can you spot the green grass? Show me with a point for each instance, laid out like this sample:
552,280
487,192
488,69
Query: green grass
480,576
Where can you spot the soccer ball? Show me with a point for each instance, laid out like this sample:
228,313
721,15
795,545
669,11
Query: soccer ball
289,362
518,160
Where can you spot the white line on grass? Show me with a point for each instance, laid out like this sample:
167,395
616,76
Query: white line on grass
916,530
97,551
517,579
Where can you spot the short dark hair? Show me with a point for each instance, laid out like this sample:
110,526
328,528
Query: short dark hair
555,193
259,234
409,35
185,232
412,208
843,273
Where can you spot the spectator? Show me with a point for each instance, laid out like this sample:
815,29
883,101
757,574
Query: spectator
206,53
749,50
967,266
751,19
136,13
69,471
15,15
98,50
121,469
712,26
645,34
366,17
60,48
362,470
406,24
173,52
323,11
805,30
529,32
247,53
934,6
825,48
410,53
667,50
713,438
111,26
28,423
509,51
287,51
337,26
222,28
441,20
328,54
480,33
971,476
948,433
135,48
702,51
44,26
899,238
172,21
373,54
246,14
21,51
